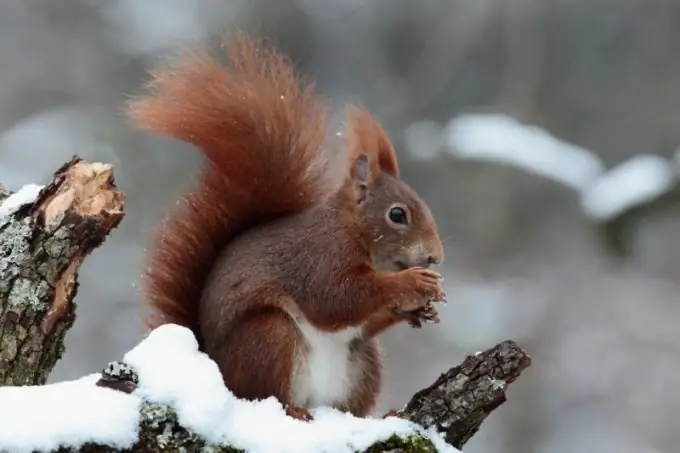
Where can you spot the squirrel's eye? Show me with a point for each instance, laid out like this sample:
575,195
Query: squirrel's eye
397,215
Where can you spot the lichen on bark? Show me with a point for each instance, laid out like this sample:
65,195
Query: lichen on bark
42,245
460,400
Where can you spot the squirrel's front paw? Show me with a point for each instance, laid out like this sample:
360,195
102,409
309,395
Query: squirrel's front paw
421,287
417,317
392,413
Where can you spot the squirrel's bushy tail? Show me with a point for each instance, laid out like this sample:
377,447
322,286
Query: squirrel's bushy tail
261,131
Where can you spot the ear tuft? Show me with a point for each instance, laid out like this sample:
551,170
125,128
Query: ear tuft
367,137
361,168
360,172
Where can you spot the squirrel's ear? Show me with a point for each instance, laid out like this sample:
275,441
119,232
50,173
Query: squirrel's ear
366,136
360,172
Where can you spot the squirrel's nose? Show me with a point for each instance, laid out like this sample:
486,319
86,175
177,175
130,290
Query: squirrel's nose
435,254
425,256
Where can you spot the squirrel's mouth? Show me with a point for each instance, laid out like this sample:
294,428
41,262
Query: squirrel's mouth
401,266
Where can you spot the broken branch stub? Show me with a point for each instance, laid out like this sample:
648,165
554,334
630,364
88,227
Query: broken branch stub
42,245
459,401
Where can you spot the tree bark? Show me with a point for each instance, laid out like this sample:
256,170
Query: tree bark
461,399
42,245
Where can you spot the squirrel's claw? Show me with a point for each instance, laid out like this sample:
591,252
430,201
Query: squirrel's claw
415,318
412,317
429,314
392,413
299,413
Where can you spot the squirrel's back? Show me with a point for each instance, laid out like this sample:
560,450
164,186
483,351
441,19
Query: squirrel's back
262,132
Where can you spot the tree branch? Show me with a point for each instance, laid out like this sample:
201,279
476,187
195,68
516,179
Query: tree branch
44,241
461,399
42,245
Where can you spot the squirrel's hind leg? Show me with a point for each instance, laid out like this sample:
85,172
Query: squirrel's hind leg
364,395
257,355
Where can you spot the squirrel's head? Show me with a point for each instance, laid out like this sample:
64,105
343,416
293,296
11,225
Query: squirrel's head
397,225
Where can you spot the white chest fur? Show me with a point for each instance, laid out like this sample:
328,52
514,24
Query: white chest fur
325,374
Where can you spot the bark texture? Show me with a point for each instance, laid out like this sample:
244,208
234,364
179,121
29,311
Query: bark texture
42,245
459,401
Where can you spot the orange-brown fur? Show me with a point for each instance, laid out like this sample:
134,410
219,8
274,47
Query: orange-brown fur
221,113
266,238
367,136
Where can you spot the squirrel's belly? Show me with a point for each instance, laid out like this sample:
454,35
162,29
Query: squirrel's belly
325,372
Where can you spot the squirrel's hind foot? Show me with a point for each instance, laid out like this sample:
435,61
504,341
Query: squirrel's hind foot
299,413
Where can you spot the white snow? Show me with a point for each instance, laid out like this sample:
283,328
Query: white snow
27,194
603,194
68,413
172,371
633,182
499,138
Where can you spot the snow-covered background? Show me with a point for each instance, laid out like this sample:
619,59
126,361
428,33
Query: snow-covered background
540,131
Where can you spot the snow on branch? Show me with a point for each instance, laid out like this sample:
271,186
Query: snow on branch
166,395
501,139
604,194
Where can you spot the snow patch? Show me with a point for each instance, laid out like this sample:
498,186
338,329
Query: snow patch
501,139
604,194
636,181
26,195
69,413
172,371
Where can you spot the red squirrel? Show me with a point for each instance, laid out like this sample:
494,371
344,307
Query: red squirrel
284,272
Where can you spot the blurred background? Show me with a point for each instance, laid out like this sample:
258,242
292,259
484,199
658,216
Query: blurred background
542,133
